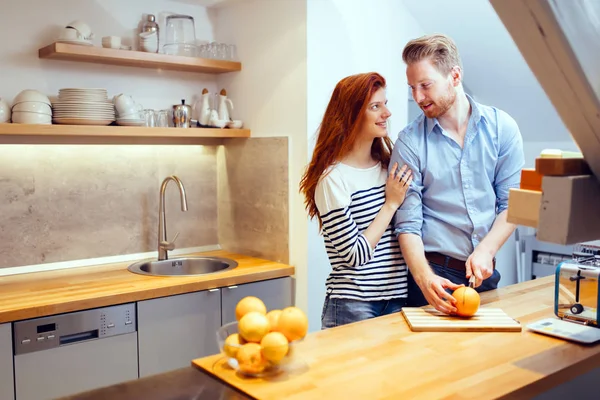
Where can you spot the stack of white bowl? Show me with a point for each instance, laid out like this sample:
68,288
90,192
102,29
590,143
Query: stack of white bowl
76,32
129,113
31,107
149,42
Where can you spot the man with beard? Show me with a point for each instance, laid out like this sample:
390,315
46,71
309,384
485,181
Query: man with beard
464,157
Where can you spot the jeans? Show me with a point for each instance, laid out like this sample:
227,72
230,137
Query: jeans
416,298
338,312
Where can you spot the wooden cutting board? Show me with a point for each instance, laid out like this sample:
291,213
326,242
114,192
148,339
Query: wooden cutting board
486,320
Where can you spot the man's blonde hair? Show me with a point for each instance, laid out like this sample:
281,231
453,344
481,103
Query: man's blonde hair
438,48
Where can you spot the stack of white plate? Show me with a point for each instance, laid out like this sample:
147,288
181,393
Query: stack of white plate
83,107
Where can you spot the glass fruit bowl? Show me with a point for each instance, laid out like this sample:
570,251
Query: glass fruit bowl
272,355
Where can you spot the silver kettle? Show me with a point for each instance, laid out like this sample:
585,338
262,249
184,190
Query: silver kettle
182,115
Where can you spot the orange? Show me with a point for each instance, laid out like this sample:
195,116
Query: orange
250,358
232,344
467,301
274,346
293,323
248,304
273,317
253,326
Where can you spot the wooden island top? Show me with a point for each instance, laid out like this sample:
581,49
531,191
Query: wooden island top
40,294
382,359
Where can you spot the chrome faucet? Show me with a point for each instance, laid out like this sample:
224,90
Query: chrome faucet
163,244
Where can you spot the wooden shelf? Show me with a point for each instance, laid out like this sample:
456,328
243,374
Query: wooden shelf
92,134
100,55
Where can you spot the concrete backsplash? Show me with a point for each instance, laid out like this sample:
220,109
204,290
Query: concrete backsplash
73,202
254,197
60,203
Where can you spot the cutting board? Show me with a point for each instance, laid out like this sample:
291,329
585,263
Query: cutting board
486,320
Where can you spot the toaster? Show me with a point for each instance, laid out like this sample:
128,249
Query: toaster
576,290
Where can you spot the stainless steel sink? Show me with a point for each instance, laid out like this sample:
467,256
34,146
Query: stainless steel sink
185,266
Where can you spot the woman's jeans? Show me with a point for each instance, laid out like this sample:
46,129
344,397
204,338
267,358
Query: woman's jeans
416,298
338,312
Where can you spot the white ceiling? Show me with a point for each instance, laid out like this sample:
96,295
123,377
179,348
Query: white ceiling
495,71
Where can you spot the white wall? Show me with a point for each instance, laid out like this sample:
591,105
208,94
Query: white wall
32,24
269,95
344,38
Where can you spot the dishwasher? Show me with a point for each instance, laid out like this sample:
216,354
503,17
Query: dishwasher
69,353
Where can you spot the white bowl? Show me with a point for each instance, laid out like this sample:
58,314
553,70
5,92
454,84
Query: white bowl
31,95
148,35
235,124
24,117
70,34
83,28
33,106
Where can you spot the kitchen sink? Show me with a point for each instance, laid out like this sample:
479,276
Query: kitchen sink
185,266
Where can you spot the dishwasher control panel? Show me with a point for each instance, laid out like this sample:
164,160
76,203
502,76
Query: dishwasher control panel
64,329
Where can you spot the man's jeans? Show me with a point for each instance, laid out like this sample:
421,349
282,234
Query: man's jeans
338,312
416,298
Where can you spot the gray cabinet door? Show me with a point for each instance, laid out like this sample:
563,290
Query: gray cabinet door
7,386
174,330
275,293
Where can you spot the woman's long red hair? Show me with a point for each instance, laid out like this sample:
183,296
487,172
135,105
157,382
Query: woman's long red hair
339,130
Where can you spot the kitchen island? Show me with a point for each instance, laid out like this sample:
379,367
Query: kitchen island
382,359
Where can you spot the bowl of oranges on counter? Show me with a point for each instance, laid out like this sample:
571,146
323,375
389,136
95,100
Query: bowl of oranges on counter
261,342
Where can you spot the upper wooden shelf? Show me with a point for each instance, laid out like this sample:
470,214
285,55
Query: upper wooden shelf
92,134
100,55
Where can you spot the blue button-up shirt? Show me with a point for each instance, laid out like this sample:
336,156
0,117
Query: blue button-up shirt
457,192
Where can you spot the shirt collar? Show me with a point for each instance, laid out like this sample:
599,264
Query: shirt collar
475,115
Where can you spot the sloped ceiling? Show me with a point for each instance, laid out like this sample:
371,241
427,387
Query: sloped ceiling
494,70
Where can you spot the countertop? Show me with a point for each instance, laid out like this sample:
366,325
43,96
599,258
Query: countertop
381,358
47,293
182,384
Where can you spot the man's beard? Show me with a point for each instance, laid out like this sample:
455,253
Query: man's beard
440,106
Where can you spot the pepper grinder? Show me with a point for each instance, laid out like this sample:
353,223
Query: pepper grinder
182,115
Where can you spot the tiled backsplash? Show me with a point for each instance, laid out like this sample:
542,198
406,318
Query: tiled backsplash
62,203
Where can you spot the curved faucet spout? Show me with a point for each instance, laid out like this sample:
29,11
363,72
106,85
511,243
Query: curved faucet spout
163,244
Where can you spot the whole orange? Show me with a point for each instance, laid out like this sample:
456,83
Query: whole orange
232,344
467,301
248,304
293,323
273,317
253,326
274,346
250,358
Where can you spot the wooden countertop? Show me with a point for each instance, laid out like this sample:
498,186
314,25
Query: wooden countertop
382,359
46,293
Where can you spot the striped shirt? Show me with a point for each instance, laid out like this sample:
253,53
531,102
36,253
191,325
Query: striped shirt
348,199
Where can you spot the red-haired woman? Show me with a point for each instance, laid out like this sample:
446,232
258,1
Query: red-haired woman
347,187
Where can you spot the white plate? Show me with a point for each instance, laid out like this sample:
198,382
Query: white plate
71,41
128,123
82,121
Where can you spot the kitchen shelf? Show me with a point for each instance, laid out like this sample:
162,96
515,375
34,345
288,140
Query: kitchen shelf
93,134
100,55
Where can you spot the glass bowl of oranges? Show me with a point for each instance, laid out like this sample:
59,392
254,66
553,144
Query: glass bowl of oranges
262,343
